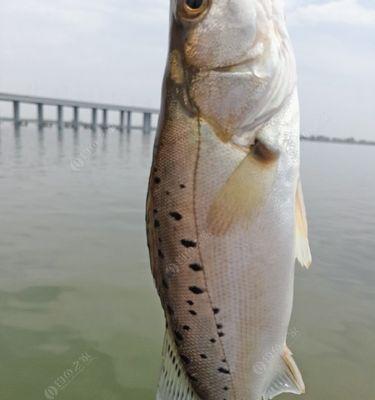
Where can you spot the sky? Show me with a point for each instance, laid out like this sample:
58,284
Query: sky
115,50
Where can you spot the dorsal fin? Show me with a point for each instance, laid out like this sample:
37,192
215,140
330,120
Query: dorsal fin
287,377
173,383
303,253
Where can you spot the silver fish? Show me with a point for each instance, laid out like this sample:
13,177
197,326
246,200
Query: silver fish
225,211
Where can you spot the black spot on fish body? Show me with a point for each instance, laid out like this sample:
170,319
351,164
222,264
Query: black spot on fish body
221,334
188,243
219,326
192,378
213,340
186,328
192,312
203,356
223,370
225,388
170,310
156,223
182,186
185,359
195,267
165,284
160,253
175,215
157,180
216,310
191,303
178,335
155,211
196,290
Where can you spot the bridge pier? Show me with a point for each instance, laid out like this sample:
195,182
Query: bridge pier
105,119
40,115
75,118
146,122
129,122
94,118
16,113
60,117
122,120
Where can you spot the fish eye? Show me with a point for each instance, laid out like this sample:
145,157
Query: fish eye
194,4
194,8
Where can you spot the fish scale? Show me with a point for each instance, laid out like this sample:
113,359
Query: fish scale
178,268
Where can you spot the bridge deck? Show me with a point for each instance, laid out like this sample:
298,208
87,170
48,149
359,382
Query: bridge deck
60,104
73,103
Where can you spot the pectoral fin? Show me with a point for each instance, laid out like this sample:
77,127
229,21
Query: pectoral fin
287,378
245,192
303,253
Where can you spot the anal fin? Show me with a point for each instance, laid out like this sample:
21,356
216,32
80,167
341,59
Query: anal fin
173,383
287,377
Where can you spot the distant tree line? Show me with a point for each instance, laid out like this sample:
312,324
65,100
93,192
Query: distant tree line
351,140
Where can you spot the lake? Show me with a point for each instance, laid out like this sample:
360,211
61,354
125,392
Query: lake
79,315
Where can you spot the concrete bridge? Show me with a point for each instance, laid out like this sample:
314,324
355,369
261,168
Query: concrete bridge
124,122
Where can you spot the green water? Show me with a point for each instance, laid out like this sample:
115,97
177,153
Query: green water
79,317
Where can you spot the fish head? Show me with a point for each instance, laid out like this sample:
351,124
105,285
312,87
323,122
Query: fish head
237,61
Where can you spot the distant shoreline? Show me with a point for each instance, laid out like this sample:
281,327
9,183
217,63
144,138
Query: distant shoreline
325,139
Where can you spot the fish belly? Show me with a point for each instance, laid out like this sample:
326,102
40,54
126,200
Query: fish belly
249,270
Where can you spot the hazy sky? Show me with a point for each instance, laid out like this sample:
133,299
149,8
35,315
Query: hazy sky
115,50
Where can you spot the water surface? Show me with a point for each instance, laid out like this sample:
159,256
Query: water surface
79,317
